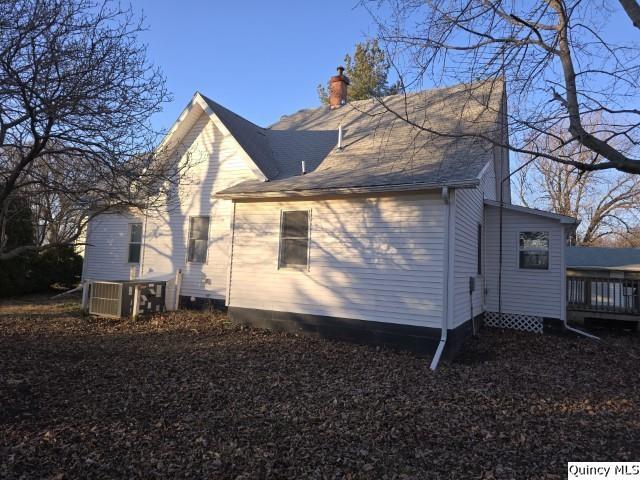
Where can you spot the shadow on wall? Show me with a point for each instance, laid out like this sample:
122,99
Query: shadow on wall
371,258
166,240
375,258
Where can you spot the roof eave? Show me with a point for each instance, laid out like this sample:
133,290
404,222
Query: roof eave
626,268
531,211
345,191
172,138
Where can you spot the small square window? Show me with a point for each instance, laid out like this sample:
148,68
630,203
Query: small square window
534,250
198,239
294,239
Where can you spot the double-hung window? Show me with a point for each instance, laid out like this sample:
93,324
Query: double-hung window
135,243
198,239
534,250
294,239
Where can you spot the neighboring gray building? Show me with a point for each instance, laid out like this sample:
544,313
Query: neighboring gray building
603,283
604,261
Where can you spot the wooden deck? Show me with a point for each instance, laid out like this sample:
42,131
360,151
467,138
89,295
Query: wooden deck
603,297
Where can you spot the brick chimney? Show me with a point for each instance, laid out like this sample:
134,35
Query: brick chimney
338,89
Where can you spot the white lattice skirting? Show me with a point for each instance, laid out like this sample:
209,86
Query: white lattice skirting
526,323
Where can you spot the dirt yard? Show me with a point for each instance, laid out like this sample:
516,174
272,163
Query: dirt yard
187,396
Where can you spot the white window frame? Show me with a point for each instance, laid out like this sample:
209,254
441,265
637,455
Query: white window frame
129,242
548,250
280,239
206,252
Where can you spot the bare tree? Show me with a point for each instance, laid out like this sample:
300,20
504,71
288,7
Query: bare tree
560,63
629,239
76,95
605,202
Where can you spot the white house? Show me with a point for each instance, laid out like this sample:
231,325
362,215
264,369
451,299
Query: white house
350,222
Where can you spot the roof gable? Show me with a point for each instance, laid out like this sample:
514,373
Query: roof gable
380,150
251,138
244,133
433,144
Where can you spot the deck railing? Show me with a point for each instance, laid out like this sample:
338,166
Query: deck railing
619,295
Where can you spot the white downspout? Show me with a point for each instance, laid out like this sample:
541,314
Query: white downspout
580,332
445,282
563,312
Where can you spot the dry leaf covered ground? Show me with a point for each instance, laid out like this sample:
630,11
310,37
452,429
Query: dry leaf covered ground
187,396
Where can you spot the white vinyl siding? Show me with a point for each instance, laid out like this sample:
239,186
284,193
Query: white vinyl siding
488,184
107,253
468,214
217,163
524,291
374,258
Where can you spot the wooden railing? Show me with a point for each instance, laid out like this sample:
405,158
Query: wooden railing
617,295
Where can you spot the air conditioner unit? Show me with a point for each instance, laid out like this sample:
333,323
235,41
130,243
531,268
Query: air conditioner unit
115,299
105,299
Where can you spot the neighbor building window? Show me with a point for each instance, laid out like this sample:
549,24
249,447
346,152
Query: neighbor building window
135,242
294,239
534,250
198,239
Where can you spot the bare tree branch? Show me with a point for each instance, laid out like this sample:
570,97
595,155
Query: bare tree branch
633,11
558,65
76,96
606,204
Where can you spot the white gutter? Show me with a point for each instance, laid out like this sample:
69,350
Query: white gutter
445,283
315,192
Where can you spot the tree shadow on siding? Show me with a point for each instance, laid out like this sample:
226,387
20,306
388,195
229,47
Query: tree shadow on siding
372,260
167,238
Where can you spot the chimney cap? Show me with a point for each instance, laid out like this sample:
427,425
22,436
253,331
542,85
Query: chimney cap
341,77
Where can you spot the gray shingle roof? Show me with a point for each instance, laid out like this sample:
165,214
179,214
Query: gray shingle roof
605,258
534,211
251,137
379,149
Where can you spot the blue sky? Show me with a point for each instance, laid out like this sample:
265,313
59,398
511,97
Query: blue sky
260,59
263,59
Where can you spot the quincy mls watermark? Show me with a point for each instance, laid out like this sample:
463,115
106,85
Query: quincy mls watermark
603,470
